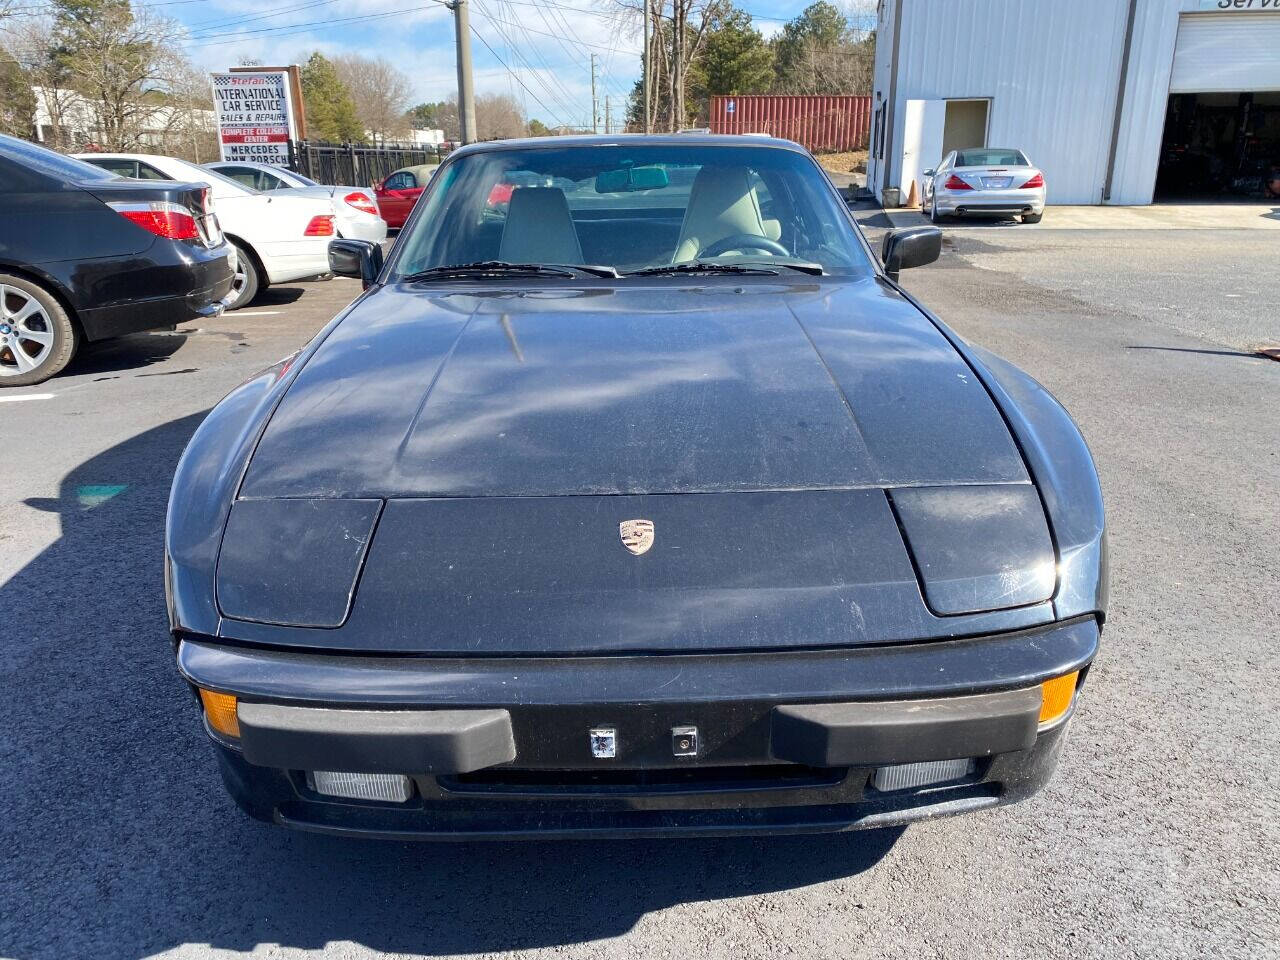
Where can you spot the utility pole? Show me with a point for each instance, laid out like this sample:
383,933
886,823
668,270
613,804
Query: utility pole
648,115
607,129
466,91
595,104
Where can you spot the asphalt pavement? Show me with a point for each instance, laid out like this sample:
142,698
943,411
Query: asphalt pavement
1157,838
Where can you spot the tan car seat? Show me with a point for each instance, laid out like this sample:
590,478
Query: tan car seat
539,228
722,203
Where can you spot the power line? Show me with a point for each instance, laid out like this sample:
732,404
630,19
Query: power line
565,98
196,29
294,28
518,80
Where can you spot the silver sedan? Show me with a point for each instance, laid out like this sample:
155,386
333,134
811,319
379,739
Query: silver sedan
984,180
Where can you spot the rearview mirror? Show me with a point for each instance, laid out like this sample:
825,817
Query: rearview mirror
912,247
630,179
929,173
355,258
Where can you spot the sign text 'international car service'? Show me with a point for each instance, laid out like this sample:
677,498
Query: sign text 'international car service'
254,116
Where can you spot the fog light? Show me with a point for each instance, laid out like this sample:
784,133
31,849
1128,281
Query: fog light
392,787
1056,696
906,776
220,711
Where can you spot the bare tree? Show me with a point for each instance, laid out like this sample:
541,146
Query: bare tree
677,35
189,130
122,61
499,117
32,45
381,93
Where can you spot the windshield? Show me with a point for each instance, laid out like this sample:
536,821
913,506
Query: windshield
213,177
632,207
296,178
51,164
990,158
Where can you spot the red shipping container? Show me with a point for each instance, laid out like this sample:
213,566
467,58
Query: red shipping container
822,124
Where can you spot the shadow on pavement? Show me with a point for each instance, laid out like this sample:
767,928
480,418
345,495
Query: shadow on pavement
273,297
119,841
1216,353
125,353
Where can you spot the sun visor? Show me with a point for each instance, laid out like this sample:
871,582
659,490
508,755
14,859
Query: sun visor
978,548
293,562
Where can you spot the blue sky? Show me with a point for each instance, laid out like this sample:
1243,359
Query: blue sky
544,44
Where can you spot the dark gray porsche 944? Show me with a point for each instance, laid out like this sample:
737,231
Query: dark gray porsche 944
634,496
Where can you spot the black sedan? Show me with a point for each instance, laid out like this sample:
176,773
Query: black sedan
86,255
634,496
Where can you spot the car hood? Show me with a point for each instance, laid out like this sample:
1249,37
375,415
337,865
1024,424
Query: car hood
461,473
653,389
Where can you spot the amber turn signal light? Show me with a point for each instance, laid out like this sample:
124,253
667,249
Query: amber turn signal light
1056,696
220,710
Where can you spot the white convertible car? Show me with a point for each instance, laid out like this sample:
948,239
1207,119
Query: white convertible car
984,181
278,236
355,208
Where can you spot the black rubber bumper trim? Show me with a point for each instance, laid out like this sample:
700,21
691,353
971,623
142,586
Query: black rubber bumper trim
905,731
943,668
375,741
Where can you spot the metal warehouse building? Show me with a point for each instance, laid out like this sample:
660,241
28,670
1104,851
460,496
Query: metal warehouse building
1118,101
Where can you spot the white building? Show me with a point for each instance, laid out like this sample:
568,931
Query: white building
80,120
1118,101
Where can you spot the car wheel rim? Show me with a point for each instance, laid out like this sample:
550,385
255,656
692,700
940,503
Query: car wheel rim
240,280
26,332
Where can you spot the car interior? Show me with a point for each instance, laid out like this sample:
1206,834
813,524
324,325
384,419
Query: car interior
630,217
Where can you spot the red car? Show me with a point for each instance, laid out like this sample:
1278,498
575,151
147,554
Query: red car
400,191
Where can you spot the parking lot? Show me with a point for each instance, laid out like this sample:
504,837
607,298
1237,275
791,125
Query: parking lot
1156,838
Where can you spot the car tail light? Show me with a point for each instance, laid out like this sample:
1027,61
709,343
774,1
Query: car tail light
164,219
321,226
1036,181
220,711
955,183
361,203
1056,696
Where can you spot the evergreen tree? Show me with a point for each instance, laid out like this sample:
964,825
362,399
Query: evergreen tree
331,113
735,58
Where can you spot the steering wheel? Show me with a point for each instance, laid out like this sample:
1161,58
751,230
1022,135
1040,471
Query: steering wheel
746,241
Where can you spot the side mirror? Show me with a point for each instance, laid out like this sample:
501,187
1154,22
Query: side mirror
929,173
912,247
355,258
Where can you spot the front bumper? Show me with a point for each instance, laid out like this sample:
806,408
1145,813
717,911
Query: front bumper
786,742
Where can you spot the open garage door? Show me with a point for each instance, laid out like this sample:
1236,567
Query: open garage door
1222,129
1227,53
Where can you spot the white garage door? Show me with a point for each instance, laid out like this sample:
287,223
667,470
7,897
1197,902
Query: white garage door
1227,52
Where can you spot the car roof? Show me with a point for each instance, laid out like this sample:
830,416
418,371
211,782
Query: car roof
126,156
637,139
413,168
245,163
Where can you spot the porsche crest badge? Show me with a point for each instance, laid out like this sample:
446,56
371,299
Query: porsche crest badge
637,535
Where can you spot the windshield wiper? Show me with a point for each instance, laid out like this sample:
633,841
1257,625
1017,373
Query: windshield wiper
482,269
801,266
696,267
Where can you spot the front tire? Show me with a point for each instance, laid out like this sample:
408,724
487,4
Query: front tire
37,337
244,286
1032,217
